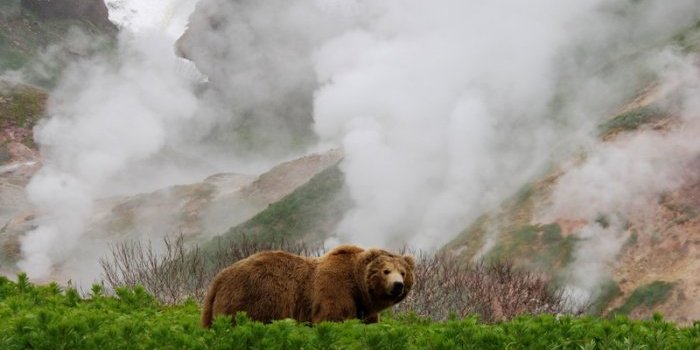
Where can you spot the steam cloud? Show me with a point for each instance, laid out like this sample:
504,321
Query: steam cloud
104,118
447,107
623,177
443,108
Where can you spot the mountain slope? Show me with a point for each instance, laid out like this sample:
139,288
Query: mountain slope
28,28
644,235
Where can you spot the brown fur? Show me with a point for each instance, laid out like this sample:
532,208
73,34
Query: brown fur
348,282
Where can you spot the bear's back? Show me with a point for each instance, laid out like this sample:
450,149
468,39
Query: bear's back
268,286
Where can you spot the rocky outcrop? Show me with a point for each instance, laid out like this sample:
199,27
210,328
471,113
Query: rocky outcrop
260,70
94,11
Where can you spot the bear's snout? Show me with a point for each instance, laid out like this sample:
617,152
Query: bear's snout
397,289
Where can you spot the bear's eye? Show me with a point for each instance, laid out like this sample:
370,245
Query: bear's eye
386,272
403,274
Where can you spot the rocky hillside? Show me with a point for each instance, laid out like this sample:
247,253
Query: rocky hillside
87,11
198,211
37,39
20,107
30,27
659,243
644,241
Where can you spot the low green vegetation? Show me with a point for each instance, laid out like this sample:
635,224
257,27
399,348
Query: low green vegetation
21,106
49,317
689,39
551,233
11,57
631,120
526,234
535,246
524,194
470,241
648,295
607,292
684,212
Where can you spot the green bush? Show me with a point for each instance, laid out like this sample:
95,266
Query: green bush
47,317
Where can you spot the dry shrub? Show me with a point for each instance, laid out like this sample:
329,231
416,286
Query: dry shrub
178,273
495,291
444,285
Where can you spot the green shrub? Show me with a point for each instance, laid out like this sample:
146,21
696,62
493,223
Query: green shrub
44,317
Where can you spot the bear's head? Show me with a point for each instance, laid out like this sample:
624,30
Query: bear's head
389,276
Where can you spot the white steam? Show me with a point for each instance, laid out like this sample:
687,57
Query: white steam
622,179
105,116
444,108
169,16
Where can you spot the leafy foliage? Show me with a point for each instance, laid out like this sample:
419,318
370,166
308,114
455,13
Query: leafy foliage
48,317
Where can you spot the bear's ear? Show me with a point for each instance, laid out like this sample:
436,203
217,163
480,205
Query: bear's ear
411,261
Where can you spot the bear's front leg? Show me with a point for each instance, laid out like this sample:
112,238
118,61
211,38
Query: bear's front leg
372,318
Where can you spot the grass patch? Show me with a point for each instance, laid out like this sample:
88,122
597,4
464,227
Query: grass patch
524,194
648,295
608,292
21,106
11,58
526,234
535,246
551,233
631,240
631,120
684,213
688,40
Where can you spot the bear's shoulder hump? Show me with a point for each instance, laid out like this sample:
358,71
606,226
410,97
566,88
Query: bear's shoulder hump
346,249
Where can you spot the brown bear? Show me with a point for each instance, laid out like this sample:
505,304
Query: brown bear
347,282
